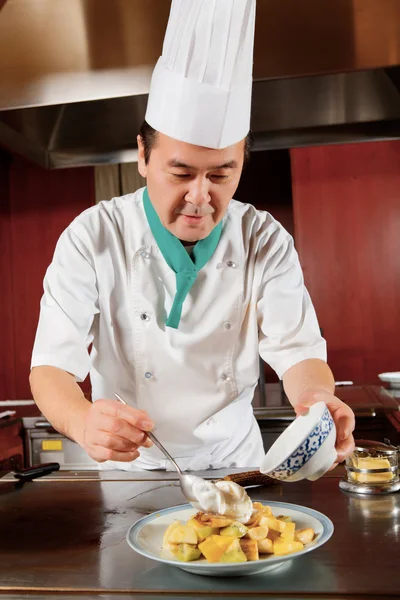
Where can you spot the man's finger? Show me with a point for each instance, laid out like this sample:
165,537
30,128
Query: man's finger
302,408
102,454
114,442
344,420
133,416
121,428
344,448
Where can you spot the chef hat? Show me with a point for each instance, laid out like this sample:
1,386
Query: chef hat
201,86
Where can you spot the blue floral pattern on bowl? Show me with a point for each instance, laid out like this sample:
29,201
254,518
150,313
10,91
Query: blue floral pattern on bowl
307,449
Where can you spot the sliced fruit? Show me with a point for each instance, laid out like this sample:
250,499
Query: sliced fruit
214,547
284,518
168,531
257,533
222,541
183,534
235,529
234,553
256,515
273,523
215,521
265,546
202,531
273,535
288,533
185,552
267,511
282,547
250,548
305,536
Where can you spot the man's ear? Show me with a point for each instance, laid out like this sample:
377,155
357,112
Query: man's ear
142,167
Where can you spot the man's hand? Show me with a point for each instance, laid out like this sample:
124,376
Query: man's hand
343,417
113,431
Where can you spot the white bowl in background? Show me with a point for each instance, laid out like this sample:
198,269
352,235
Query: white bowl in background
393,378
305,450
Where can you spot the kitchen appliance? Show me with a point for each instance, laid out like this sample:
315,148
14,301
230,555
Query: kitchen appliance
75,75
43,444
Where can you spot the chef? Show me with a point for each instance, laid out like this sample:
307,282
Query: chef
177,288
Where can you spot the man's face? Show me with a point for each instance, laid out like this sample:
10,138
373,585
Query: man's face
190,186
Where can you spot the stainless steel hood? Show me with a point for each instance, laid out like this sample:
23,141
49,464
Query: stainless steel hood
74,75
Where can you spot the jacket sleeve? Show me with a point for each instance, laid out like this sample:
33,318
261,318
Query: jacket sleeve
287,322
68,308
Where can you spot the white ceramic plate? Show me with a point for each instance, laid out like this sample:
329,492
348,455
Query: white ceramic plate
145,536
392,378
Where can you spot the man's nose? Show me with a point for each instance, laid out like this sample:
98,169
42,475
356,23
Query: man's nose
198,192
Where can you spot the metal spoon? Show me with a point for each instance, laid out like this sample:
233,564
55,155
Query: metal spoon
186,480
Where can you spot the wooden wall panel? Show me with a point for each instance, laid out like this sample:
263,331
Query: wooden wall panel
41,204
266,184
346,203
7,351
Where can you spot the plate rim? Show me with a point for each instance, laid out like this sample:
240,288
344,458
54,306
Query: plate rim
135,528
389,376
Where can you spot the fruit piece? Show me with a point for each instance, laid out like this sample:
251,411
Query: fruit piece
273,535
267,511
265,546
257,533
235,529
249,548
168,531
288,533
254,520
305,536
214,547
183,534
282,547
215,521
284,518
185,552
222,541
202,531
273,523
234,553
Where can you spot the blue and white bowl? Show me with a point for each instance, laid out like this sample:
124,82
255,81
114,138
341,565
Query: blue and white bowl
306,449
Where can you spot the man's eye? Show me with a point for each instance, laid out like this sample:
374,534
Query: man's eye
219,177
181,175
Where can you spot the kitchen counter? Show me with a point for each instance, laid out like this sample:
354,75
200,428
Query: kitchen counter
65,534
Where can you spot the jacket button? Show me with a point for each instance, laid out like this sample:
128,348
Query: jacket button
148,375
145,254
227,326
225,377
145,317
231,264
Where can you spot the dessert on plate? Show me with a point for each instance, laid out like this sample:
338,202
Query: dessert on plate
233,530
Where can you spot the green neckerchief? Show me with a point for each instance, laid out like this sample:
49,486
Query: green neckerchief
177,258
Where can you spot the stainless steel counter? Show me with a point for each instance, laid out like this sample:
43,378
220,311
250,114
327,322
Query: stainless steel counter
66,534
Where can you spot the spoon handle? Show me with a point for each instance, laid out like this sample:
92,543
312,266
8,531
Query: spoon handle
155,441
163,450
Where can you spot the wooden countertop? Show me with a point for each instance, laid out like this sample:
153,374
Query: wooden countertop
66,535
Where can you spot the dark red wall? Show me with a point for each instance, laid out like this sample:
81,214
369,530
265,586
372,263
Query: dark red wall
346,202
35,207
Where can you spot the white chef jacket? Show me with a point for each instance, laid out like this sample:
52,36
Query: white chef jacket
109,285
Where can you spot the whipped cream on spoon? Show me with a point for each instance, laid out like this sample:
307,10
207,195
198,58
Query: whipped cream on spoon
224,498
